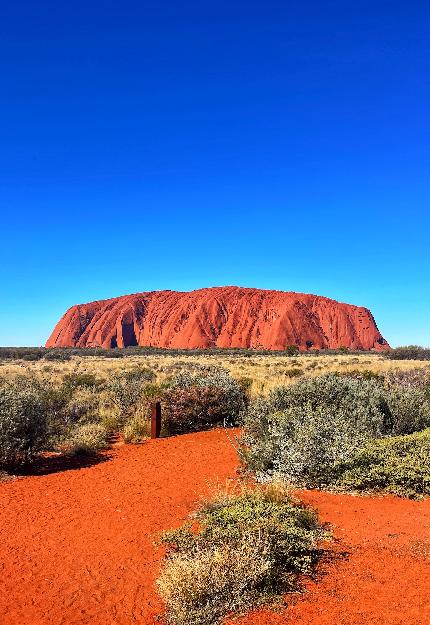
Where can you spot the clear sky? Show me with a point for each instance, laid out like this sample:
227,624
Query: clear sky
178,145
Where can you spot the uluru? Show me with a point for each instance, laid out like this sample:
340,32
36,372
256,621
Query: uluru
231,316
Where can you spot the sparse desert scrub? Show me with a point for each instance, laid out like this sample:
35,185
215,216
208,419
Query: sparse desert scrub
82,405
398,465
23,424
116,391
409,352
85,439
294,372
408,378
240,550
409,408
267,371
137,428
126,408
309,432
127,389
302,431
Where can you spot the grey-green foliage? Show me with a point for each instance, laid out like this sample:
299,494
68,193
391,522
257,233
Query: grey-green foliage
408,352
204,376
396,464
408,398
128,389
86,438
408,378
302,431
409,409
249,548
23,424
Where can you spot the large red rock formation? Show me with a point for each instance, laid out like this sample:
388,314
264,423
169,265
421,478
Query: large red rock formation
218,317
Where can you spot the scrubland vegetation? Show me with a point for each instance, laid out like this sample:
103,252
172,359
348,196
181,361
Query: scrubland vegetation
345,422
249,547
305,417
353,431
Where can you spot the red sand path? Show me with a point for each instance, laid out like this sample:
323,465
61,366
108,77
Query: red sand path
76,546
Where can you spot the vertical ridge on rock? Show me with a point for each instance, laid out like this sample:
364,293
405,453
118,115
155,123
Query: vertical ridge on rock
218,317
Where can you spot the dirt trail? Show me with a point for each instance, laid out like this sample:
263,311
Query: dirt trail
76,546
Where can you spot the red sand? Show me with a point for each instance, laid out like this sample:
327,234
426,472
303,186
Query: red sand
76,546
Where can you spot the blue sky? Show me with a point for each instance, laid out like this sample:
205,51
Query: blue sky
178,145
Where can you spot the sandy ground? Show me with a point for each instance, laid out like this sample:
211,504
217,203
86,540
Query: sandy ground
76,545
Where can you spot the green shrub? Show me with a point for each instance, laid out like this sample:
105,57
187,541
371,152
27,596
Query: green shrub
192,409
62,406
409,408
128,390
292,350
365,374
73,381
245,384
399,465
143,374
83,405
137,429
319,428
23,424
408,397
57,354
409,352
248,548
294,372
86,439
303,430
197,401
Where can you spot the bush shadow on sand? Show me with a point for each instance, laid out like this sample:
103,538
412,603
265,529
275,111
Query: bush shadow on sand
47,464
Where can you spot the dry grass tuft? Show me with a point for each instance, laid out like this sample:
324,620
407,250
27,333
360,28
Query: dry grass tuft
247,545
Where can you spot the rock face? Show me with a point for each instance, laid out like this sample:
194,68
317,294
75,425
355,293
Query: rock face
218,317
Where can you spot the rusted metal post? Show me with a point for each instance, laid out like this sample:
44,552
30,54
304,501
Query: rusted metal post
155,419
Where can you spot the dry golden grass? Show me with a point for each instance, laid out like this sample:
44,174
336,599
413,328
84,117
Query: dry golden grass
233,562
266,372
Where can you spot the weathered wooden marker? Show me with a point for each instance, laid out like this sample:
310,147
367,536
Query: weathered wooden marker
155,419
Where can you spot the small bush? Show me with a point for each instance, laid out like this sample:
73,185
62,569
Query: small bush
23,424
248,548
409,408
408,397
128,390
398,465
197,401
86,439
303,430
408,378
143,374
61,406
193,409
245,384
294,372
137,429
363,374
73,381
83,405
